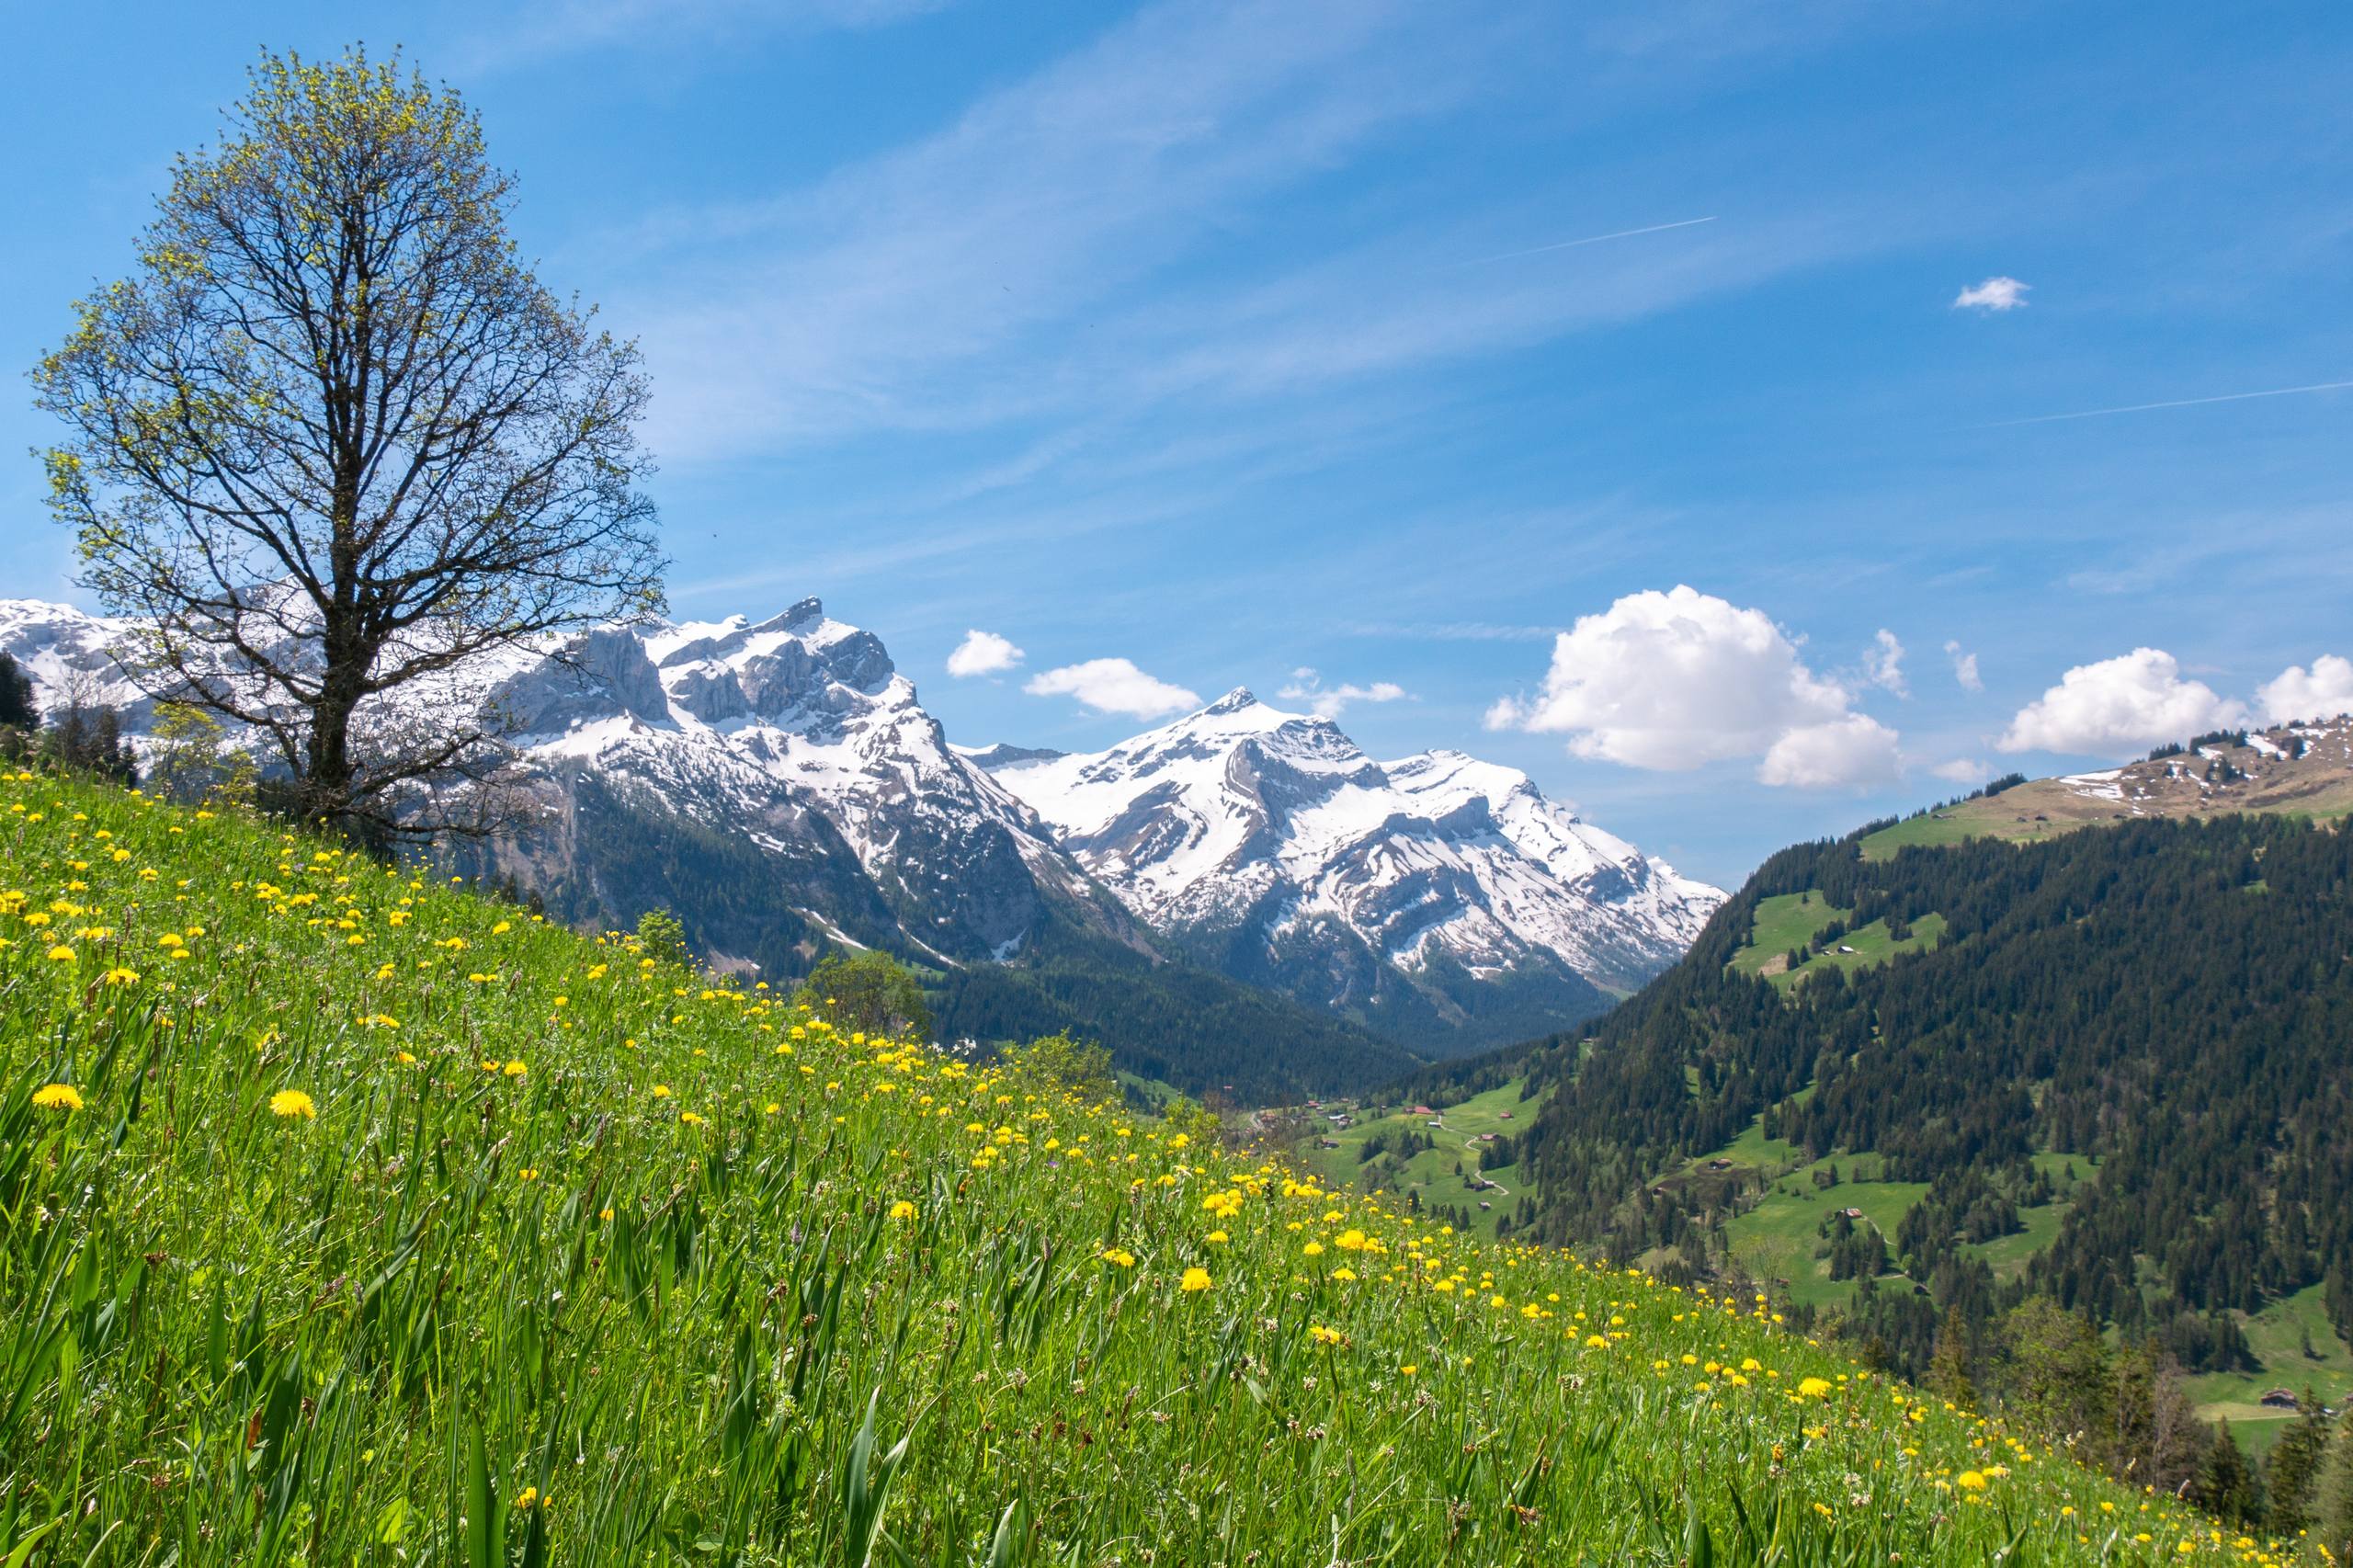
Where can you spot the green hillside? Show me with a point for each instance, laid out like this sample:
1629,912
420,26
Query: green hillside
1446,1164
1805,926
2092,1070
347,1217
2298,770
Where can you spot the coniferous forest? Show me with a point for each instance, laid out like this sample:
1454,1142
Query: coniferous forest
2170,1000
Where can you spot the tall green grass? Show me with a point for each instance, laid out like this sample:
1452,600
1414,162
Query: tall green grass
393,1226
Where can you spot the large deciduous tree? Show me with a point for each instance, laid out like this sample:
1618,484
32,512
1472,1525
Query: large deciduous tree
335,447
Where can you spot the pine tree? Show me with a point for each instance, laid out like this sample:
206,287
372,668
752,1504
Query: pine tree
1949,1365
2292,1473
2226,1486
2336,1492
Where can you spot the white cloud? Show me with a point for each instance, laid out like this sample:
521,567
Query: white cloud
982,654
1964,668
2322,692
1994,294
1329,701
1857,750
1962,770
2134,700
1883,662
1674,680
1114,686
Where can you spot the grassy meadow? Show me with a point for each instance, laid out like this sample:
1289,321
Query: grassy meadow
1430,1174
345,1217
1785,920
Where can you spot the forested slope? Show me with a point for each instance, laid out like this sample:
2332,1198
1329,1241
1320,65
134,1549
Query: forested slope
2171,999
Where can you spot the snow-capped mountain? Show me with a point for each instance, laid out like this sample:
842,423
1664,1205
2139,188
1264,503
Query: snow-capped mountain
1273,840
778,784
793,737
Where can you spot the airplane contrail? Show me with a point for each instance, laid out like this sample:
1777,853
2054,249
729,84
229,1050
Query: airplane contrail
1588,240
2177,403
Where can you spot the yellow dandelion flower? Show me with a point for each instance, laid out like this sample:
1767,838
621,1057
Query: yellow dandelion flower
292,1103
903,1209
1195,1279
58,1097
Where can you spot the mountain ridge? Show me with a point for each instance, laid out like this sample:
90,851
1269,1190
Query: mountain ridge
1272,837
809,798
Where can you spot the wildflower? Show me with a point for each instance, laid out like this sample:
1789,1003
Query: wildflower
119,976
1119,1257
1326,1337
690,1118
661,1091
1969,1480
61,954
1815,1388
1216,1237
58,1097
291,1103
515,1068
1196,1279
903,1209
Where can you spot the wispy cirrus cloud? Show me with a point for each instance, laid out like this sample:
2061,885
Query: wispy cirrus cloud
1330,702
577,27
1038,261
2170,402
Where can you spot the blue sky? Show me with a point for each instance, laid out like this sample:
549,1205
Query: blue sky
1232,341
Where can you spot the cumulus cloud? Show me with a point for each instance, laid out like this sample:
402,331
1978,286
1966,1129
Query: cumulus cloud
1114,686
1964,668
1883,662
982,654
1856,750
2322,692
1994,294
1329,701
1677,679
1962,770
2134,700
